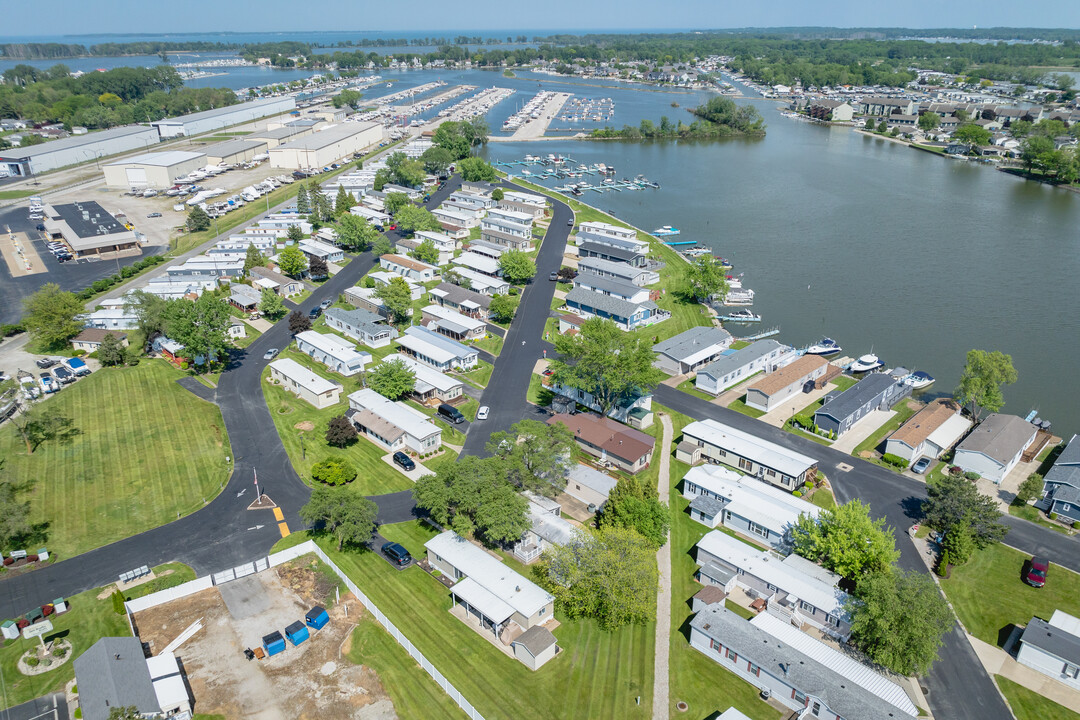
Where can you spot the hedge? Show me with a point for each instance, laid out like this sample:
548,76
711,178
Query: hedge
895,460
100,286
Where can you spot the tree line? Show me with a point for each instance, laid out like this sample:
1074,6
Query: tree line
717,118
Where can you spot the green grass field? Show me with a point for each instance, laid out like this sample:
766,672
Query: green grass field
597,674
1030,705
492,344
739,405
149,450
990,615
690,388
904,410
307,447
17,194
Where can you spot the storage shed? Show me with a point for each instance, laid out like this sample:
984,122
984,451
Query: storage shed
316,618
273,643
297,633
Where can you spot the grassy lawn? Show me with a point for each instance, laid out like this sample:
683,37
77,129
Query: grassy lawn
167,576
823,498
478,376
149,450
492,344
450,433
843,382
252,336
16,194
374,477
739,610
598,674
448,457
1032,514
1030,705
688,386
413,692
989,615
739,344
86,621
538,394
739,405
904,410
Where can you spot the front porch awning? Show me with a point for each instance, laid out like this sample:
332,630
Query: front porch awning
483,601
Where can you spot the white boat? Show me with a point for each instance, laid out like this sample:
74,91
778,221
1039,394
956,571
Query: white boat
866,363
827,346
665,230
918,380
742,315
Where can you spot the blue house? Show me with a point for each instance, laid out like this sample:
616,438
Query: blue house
1061,486
874,392
624,313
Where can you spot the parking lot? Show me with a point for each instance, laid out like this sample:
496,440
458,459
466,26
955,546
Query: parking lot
311,680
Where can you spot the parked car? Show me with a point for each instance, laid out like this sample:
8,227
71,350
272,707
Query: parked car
45,363
397,554
920,465
315,312
404,461
553,276
1035,573
270,354
325,304
40,227
154,215
451,413
570,222
482,413
62,374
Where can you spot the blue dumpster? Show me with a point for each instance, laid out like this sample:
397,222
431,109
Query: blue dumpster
316,617
273,643
297,633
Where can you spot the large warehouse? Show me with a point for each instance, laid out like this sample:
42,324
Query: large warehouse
219,118
89,230
279,135
327,146
153,170
36,159
232,152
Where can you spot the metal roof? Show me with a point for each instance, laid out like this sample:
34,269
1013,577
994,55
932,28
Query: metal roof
752,499
749,446
739,358
442,342
303,377
458,295
413,422
76,141
232,147
327,137
867,390
592,479
692,344
429,375
244,107
999,437
167,158
516,591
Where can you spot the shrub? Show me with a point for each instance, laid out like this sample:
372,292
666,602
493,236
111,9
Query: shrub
333,472
78,713
943,564
1076,525
22,623
47,610
895,460
797,493
184,365
808,483
367,282
9,330
1053,516
118,602
9,560
972,476
60,652
31,558
32,661
80,352
128,271
956,471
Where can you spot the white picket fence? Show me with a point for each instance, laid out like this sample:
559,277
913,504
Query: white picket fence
309,546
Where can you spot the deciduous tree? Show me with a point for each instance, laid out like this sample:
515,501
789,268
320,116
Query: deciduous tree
348,516
356,233
200,326
395,201
397,297
982,379
41,424
503,307
1030,489
49,315
474,169
392,379
473,495
426,252
298,322
954,500
972,134
149,309
632,504
603,360
846,540
270,304
436,160
340,432
705,277
609,575
497,194
517,267
414,219
929,121
318,268
292,261
111,351
898,619
536,456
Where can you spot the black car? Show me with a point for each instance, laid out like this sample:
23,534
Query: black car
397,554
40,226
315,312
45,362
404,461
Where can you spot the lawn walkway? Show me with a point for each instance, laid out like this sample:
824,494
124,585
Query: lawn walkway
663,594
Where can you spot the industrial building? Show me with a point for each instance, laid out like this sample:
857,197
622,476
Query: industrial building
218,118
156,170
37,159
233,152
279,135
326,146
89,230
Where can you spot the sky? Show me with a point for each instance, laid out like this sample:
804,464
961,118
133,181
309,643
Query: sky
447,16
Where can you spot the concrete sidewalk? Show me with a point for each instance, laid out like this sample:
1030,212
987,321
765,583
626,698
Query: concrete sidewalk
661,692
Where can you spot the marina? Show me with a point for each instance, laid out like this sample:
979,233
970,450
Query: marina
533,118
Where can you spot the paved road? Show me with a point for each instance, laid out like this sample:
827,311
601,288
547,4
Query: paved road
47,707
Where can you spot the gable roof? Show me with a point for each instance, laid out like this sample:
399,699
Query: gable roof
96,335
406,262
751,498
760,450
592,479
1000,437
1066,469
1052,639
609,251
411,421
619,440
303,377
794,372
734,360
607,303
113,673
443,343
458,295
536,639
846,686
693,344
363,320
921,425
848,402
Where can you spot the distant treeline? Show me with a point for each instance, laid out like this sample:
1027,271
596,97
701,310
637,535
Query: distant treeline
103,99
427,41
718,118
47,51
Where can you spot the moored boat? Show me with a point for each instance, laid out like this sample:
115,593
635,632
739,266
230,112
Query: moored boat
665,230
741,316
827,346
866,363
919,379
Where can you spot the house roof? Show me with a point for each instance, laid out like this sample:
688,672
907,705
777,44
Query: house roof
916,430
447,316
406,262
751,498
1066,494
478,262
609,251
609,285
750,446
739,358
113,673
480,279
787,578
693,344
536,639
609,304
604,433
429,375
451,347
849,688
333,346
96,335
553,528
866,390
597,265
717,573
1056,641
411,421
507,586
592,479
363,320
303,377
792,373
710,594
458,295
1000,437
1066,469
376,423
707,505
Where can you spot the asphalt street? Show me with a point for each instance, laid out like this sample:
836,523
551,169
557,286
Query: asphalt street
48,707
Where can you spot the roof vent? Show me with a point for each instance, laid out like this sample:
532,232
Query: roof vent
517,588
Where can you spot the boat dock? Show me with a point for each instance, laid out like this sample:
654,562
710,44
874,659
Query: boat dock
761,335
533,120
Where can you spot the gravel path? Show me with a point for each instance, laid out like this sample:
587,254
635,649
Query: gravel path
661,704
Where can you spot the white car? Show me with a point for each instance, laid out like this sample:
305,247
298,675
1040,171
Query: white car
482,413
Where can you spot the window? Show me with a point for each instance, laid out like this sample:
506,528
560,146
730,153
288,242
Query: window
733,657
832,620
799,696
758,529
745,464
714,645
542,611
816,708
770,472
1071,671
753,669
1066,506
807,607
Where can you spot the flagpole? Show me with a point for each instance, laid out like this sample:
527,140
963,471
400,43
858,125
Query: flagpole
258,495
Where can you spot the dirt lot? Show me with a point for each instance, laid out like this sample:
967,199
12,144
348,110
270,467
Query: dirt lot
312,680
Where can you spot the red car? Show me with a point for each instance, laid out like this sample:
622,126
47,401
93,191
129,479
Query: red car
1035,576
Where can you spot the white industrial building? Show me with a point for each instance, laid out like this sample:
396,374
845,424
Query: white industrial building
89,230
37,159
326,146
233,152
218,118
156,170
